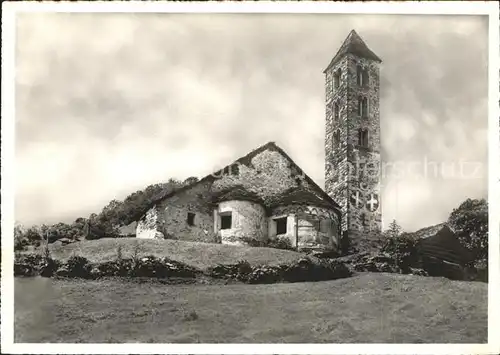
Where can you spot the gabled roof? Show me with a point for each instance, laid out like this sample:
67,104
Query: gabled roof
441,242
353,44
246,161
427,232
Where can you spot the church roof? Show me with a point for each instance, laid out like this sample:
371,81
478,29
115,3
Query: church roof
298,196
319,192
237,193
353,44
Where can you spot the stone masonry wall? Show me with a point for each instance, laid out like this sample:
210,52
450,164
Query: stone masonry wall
248,221
310,235
352,173
147,227
173,212
336,165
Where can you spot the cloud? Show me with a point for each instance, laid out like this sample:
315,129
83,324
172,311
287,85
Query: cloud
109,103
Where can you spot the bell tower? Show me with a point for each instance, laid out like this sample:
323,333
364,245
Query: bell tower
352,138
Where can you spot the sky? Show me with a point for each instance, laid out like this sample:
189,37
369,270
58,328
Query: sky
107,104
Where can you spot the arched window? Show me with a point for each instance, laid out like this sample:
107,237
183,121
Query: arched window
365,78
359,75
362,106
363,138
336,111
336,78
362,77
336,138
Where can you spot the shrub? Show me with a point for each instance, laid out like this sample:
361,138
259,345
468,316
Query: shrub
470,221
49,267
240,271
253,242
28,265
265,275
277,242
280,243
78,266
403,249
35,265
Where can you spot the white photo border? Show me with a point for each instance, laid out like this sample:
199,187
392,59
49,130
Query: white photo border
9,11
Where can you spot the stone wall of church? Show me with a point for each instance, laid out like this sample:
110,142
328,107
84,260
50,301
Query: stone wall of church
248,220
147,227
316,227
169,219
173,215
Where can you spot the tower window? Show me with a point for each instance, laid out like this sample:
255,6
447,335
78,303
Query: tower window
190,219
362,77
336,78
363,138
336,111
362,106
336,138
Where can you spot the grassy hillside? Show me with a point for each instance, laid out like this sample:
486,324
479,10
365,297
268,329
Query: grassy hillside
366,308
200,255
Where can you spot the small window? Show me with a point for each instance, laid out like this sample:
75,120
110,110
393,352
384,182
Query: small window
363,138
226,221
362,106
359,75
336,78
336,111
280,225
364,78
190,219
336,138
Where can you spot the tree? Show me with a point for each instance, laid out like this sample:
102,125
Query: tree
190,180
20,240
394,230
470,221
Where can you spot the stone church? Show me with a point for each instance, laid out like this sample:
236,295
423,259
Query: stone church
265,195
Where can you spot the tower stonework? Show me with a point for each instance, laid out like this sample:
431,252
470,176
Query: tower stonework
352,138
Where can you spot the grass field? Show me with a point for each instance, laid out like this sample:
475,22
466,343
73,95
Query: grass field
200,255
366,308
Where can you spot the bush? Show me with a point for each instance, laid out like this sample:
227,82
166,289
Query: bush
277,242
403,249
78,266
240,271
265,275
307,270
280,243
470,221
35,265
299,271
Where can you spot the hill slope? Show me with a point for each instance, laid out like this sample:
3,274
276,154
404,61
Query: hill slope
368,308
200,255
